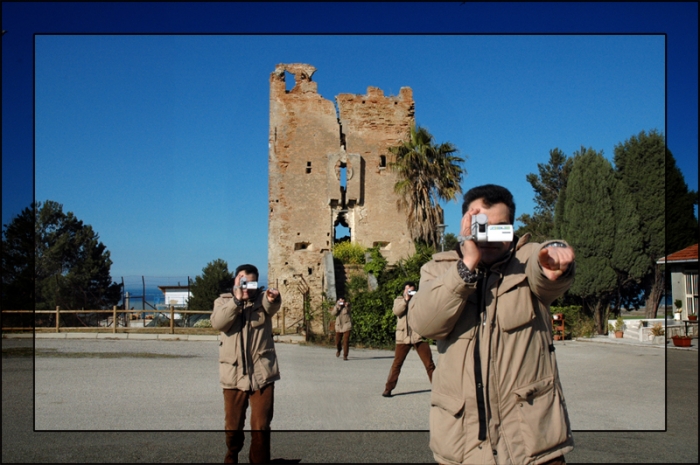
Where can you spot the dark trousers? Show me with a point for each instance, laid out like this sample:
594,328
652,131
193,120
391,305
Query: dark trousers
402,350
261,410
345,337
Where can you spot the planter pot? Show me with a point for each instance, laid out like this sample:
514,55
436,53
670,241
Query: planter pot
681,341
558,338
619,334
677,316
692,317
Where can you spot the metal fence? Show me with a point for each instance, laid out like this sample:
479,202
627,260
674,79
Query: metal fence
115,321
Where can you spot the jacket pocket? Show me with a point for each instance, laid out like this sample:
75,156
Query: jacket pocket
515,308
266,365
229,374
542,416
450,404
447,434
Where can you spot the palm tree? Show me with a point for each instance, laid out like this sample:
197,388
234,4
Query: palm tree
428,172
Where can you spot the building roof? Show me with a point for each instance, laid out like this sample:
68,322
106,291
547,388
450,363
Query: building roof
687,255
173,288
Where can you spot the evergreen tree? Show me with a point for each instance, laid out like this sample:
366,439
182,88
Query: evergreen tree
547,186
649,170
681,222
587,222
215,280
18,267
628,260
73,266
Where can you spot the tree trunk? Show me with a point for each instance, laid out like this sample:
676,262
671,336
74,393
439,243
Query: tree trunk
655,293
600,315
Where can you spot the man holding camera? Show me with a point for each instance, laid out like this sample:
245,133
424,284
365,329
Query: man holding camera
247,362
496,395
406,338
343,325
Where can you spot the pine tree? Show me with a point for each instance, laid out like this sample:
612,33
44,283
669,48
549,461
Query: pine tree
205,289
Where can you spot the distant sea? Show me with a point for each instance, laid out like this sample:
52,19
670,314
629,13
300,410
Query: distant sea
153,296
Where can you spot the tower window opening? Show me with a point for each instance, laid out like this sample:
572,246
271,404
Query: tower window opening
341,229
382,161
289,81
308,167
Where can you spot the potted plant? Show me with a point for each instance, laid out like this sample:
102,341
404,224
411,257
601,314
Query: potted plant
657,330
679,308
681,341
618,327
692,316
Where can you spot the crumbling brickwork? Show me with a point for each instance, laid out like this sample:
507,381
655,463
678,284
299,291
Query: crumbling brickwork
329,167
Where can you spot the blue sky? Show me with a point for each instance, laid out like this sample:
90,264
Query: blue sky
160,141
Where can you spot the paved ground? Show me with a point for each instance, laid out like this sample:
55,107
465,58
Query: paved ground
75,392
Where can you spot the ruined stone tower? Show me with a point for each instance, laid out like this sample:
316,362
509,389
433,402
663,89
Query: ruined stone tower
329,167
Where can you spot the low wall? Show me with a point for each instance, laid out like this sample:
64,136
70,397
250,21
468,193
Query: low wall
633,329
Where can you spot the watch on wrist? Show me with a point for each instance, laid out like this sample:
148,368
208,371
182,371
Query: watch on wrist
469,277
556,244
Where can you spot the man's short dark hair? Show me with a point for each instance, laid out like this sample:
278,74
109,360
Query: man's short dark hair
249,269
409,283
490,194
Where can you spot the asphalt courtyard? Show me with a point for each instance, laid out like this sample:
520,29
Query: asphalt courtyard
108,400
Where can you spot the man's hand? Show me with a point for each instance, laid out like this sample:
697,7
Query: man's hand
470,251
272,294
237,291
555,261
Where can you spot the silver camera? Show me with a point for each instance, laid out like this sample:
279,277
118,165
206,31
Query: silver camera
411,292
250,285
482,231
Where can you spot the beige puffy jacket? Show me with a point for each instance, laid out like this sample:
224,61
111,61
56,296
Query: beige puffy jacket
523,412
404,333
343,318
247,357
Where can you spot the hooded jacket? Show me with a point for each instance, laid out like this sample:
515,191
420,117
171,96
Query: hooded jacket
247,357
496,395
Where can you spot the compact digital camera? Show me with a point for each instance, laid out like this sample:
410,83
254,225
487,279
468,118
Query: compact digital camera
411,292
482,231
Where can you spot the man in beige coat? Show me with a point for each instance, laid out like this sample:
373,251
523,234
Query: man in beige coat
343,324
247,362
496,395
406,338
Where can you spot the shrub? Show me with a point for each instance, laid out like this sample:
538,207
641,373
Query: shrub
349,253
373,322
577,324
203,323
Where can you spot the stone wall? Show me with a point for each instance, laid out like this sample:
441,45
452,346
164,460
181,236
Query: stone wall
329,166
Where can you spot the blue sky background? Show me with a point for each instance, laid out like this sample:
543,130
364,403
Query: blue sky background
160,141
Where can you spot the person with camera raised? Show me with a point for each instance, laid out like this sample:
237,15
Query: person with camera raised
406,338
343,325
247,361
496,394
